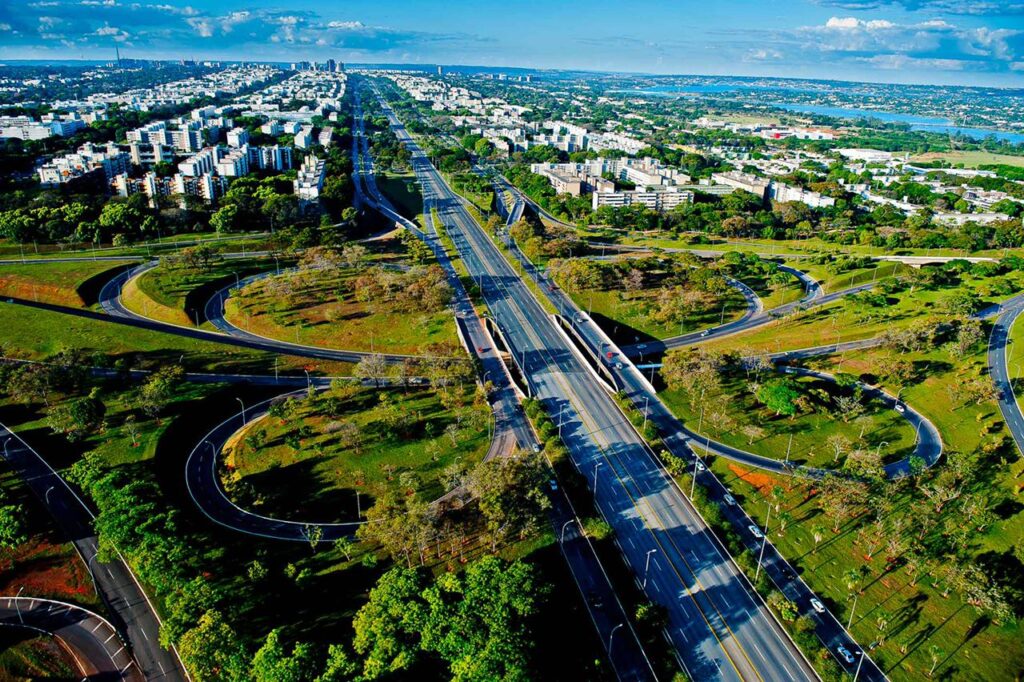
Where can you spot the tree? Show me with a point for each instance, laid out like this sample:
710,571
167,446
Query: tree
339,666
387,628
212,650
510,493
478,621
373,367
159,388
227,218
77,418
272,664
12,528
779,395
185,606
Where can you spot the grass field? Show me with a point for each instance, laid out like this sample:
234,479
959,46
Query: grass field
832,282
28,656
216,242
57,282
733,416
35,334
178,295
310,468
907,612
292,594
326,312
970,159
626,318
849,320
1015,356
404,193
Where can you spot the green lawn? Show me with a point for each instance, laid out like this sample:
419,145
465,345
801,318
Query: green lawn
971,159
916,617
324,311
178,294
626,316
35,334
63,283
832,282
219,243
310,467
1015,355
849,320
404,193
735,417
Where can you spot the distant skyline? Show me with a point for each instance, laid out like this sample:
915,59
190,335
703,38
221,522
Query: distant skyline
906,41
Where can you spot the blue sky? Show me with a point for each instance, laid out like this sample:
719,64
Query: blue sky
938,41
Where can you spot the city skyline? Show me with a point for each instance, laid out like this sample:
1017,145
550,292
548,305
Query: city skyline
946,42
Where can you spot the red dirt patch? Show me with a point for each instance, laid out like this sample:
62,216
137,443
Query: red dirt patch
47,570
760,480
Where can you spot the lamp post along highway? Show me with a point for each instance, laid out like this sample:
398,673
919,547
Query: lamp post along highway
764,543
243,410
17,605
565,527
647,565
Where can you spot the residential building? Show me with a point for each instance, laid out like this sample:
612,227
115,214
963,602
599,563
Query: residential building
310,180
656,198
238,137
90,161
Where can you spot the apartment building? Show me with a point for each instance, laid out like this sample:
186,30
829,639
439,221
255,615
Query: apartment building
90,161
659,199
310,180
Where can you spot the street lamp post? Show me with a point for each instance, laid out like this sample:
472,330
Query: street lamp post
595,476
647,399
647,565
6,441
243,410
46,495
764,543
17,605
878,450
859,664
853,610
565,527
611,635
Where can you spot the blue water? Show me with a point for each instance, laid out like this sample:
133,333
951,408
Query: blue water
923,123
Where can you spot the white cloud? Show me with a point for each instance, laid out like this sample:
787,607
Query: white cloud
347,25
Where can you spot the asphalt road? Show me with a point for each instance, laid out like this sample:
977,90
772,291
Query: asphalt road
679,440
131,611
93,642
1000,370
110,301
719,628
613,625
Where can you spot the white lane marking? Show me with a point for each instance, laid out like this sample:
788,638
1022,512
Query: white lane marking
760,653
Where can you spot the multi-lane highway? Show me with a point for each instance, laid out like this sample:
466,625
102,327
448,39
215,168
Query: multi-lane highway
999,368
717,624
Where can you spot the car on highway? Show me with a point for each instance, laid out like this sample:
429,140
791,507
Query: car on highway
845,654
619,365
537,447
699,466
899,408
755,531
553,484
641,346
730,500
705,332
817,605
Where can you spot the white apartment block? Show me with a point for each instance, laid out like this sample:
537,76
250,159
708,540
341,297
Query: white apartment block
149,154
89,160
782,192
659,199
304,137
310,180
745,181
238,137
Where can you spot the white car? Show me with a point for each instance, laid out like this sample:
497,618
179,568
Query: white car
899,408
755,531
817,606
705,332
730,500
845,654
699,465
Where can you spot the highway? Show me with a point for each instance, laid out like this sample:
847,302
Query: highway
132,614
718,626
680,441
93,643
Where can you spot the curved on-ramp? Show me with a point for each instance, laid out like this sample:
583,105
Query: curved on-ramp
92,641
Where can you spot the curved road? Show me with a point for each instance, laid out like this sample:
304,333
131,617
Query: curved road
92,640
131,610
110,300
998,367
